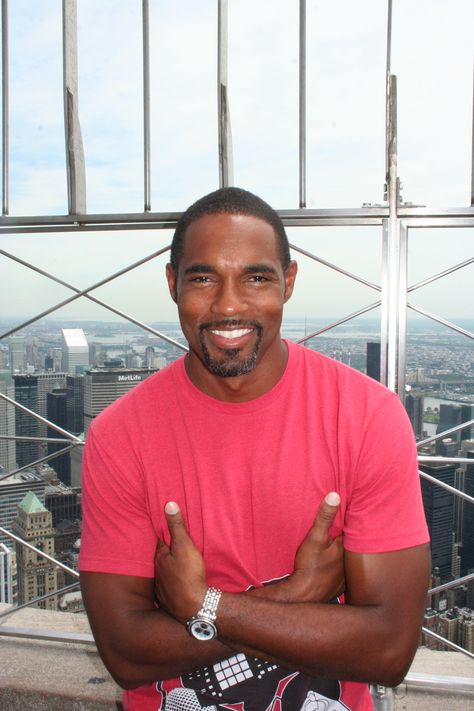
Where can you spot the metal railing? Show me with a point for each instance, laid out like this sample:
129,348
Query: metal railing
395,219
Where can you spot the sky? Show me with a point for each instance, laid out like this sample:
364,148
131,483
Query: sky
346,62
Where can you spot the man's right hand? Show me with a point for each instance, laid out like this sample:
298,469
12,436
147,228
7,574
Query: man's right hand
318,574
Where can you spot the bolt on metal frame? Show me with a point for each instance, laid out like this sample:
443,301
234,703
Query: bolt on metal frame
396,220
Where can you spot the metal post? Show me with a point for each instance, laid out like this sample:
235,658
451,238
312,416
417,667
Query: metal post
393,239
382,697
146,105
402,313
302,104
5,110
75,164
472,147
225,136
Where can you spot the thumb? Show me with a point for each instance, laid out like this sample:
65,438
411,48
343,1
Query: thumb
176,525
326,515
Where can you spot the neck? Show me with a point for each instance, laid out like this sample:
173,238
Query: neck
241,388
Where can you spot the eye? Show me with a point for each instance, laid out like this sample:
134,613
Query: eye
258,278
200,279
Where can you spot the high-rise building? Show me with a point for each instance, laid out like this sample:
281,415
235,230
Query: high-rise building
37,576
63,502
8,575
12,491
373,360
56,402
467,414
439,510
467,552
414,405
104,385
75,404
75,351
450,415
7,423
31,391
17,348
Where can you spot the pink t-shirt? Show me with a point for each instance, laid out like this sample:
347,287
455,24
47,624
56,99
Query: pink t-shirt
249,478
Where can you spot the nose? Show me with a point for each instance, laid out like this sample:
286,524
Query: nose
229,300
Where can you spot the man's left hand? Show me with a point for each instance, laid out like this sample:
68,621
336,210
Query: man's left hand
180,575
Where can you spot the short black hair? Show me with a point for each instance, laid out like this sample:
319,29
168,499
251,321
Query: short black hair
234,201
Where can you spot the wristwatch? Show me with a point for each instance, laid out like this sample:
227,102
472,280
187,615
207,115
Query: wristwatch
202,625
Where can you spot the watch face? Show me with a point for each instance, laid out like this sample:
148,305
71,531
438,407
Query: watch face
202,629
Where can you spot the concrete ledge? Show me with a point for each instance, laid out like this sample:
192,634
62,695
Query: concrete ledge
52,676
55,676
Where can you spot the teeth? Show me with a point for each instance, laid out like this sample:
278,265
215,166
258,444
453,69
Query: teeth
236,333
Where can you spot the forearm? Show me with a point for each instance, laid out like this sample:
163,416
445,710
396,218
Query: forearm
150,645
336,641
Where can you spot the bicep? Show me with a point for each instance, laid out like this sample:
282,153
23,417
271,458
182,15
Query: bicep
394,582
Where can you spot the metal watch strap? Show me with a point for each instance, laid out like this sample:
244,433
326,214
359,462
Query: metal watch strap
210,603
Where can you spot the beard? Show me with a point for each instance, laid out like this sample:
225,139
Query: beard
231,363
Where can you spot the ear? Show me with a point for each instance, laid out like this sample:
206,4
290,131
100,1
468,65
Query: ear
172,279
290,276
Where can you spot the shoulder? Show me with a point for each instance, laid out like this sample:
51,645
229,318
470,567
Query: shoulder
336,376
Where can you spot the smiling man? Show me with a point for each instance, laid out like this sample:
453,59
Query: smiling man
265,476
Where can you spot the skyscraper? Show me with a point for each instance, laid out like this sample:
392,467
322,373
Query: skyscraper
75,351
439,510
12,491
7,423
8,575
36,575
75,404
373,360
17,348
414,405
104,385
31,391
56,412
467,552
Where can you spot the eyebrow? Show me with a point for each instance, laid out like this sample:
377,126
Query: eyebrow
249,269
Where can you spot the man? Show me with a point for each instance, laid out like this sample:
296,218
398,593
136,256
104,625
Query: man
222,461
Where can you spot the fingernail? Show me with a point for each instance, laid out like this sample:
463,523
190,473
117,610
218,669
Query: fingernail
172,508
333,498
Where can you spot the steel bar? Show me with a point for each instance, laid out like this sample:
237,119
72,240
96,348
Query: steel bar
146,105
60,591
384,305
302,105
335,268
225,135
402,314
447,643
40,418
48,635
339,322
413,216
441,320
472,145
447,487
85,293
443,434
50,440
5,111
39,552
440,460
388,71
437,682
440,275
46,458
75,163
452,583
393,246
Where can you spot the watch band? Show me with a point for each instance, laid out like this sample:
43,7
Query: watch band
202,625
210,604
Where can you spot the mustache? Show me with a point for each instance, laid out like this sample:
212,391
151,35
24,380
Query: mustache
229,323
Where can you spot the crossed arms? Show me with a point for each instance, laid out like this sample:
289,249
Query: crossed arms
371,638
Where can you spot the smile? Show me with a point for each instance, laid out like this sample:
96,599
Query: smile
232,334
